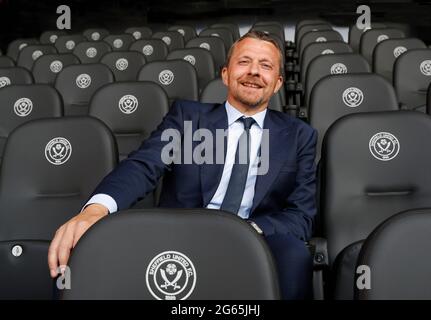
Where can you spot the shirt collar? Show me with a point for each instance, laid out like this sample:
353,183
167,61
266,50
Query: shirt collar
233,114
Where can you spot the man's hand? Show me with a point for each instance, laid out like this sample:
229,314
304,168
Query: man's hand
68,234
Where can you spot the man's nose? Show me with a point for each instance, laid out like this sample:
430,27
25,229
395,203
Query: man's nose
254,68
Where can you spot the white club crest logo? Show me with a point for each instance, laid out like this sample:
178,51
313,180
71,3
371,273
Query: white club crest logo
382,37
353,97
384,146
91,52
190,59
53,38
171,275
166,77
22,45
95,36
56,66
23,107
128,104
205,45
426,67
83,81
17,251
118,43
167,40
4,81
36,54
70,44
321,39
327,51
137,35
182,32
58,151
399,51
121,64
338,68
148,50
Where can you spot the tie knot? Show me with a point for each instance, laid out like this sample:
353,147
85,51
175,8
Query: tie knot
248,122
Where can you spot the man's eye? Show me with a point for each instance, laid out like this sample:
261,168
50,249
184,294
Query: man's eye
243,62
267,66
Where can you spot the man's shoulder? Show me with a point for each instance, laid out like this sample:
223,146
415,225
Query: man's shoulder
193,107
290,122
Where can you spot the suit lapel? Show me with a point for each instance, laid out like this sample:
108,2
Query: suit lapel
211,173
278,151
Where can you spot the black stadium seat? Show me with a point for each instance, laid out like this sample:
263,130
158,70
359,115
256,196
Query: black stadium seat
303,22
330,64
66,44
336,96
216,92
132,110
222,33
187,32
6,61
429,100
95,34
316,49
177,77
77,84
17,45
46,68
14,75
386,52
69,156
173,39
22,103
233,27
317,36
372,37
310,28
153,49
43,184
214,45
181,264
23,270
200,59
119,42
125,65
31,53
372,168
50,37
139,32
355,34
91,51
271,30
412,76
394,253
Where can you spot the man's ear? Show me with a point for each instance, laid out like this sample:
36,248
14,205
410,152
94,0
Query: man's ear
224,76
278,84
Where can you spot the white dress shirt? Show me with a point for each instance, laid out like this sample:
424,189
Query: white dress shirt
235,129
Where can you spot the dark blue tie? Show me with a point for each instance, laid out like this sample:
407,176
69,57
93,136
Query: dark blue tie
235,190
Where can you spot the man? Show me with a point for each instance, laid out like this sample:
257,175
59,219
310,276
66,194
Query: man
280,202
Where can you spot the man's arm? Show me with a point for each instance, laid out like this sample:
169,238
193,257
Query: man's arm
133,178
297,218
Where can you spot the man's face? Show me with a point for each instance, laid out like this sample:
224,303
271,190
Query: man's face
252,75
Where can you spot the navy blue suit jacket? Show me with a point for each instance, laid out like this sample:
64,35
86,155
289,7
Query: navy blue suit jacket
284,200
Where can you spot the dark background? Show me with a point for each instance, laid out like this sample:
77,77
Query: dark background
28,18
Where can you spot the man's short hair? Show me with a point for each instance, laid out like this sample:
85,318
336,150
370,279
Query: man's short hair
259,35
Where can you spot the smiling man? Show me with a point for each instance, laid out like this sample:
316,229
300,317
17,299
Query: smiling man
280,204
